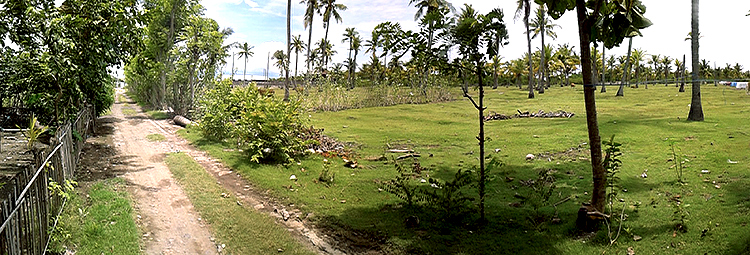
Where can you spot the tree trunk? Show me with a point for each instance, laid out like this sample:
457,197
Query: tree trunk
626,72
288,48
682,74
482,170
542,63
696,109
309,45
599,193
528,42
604,68
325,58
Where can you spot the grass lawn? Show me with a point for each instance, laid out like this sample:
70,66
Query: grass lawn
646,121
98,219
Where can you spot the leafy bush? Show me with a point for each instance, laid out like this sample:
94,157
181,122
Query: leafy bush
267,128
447,197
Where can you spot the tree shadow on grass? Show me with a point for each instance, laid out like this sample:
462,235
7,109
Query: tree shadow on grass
512,228
384,229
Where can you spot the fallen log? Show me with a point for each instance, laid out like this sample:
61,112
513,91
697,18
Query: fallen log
408,156
182,121
400,151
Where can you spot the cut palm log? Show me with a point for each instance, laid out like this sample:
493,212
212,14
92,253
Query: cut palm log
182,121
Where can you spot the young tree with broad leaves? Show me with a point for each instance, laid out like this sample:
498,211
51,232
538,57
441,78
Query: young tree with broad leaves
474,33
615,25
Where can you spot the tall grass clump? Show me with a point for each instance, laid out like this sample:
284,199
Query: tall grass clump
329,96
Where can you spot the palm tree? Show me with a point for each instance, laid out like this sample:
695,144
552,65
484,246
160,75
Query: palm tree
372,46
325,50
297,46
680,71
666,62
636,58
431,11
245,51
356,45
517,68
281,63
696,109
525,7
313,7
543,26
331,9
496,65
625,70
350,36
568,59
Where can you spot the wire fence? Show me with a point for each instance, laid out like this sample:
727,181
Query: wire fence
30,209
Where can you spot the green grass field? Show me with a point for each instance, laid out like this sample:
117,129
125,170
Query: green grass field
98,220
646,121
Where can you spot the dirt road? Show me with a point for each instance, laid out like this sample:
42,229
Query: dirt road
165,214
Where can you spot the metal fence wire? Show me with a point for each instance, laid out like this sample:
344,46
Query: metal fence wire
30,209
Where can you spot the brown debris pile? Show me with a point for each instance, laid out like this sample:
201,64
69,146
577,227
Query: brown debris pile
539,114
317,142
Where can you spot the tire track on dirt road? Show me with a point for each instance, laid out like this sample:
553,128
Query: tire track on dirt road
165,214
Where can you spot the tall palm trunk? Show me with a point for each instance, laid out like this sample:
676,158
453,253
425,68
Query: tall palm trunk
626,72
604,68
682,75
527,8
288,47
325,57
309,47
696,109
542,64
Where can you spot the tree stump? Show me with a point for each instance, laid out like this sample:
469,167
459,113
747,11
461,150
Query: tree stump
589,218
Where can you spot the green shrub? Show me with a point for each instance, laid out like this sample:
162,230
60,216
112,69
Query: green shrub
267,128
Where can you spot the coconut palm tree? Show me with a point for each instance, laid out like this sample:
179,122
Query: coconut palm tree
297,46
567,57
696,109
542,25
666,64
281,62
331,9
313,8
325,50
245,51
432,11
372,45
525,7
636,58
353,38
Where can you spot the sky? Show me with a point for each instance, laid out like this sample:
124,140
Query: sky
262,23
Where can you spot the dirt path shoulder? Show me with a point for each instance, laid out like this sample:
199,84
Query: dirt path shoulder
166,216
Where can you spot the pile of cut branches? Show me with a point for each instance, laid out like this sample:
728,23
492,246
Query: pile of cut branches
317,142
520,114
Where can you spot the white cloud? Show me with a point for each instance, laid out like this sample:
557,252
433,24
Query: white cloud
265,22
